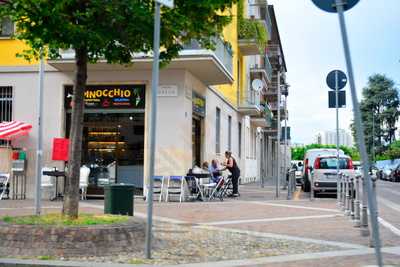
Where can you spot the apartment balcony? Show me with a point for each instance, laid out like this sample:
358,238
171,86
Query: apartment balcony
263,72
274,106
249,103
212,67
252,37
264,119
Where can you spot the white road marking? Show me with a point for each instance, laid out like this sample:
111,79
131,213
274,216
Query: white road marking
389,226
285,237
294,206
272,219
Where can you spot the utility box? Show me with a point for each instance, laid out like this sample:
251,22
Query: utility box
118,199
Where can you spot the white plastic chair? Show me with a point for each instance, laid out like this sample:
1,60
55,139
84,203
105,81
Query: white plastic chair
175,186
84,180
48,182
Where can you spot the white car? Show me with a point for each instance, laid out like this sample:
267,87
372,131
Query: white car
324,173
309,158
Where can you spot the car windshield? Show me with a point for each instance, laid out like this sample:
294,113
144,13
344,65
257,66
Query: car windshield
330,163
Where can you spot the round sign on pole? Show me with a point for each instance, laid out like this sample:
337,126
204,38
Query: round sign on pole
331,79
330,5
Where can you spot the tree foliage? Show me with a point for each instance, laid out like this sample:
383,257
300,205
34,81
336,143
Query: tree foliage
298,152
379,112
110,30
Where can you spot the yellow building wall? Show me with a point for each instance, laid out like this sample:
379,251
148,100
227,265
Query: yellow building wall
230,35
8,51
239,69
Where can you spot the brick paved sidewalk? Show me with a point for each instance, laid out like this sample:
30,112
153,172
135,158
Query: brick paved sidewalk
256,229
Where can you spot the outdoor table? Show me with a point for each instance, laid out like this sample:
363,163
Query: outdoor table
198,177
57,174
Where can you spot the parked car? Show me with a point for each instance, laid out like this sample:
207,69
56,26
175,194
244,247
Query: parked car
309,158
324,173
298,167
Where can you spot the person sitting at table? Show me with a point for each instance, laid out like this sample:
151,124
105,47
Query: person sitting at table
205,166
215,171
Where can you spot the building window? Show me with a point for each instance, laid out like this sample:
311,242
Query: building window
240,139
7,27
218,131
5,107
229,133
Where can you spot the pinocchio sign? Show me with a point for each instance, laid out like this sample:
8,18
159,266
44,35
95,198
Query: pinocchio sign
110,96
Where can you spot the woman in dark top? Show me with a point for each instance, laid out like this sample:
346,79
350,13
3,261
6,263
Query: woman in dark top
233,168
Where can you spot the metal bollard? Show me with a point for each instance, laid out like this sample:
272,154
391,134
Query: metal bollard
312,187
364,214
343,192
352,197
289,187
347,209
357,222
338,188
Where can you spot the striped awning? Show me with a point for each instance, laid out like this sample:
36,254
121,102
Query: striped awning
13,129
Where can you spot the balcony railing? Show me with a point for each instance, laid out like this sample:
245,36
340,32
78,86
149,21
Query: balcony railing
268,68
267,20
222,51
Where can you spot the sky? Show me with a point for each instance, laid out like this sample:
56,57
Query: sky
312,46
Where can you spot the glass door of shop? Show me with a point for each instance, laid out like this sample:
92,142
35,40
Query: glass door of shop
196,141
113,149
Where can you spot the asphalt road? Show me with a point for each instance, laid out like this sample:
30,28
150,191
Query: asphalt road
388,196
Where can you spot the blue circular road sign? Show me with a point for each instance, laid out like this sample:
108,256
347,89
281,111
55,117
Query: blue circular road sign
330,5
341,79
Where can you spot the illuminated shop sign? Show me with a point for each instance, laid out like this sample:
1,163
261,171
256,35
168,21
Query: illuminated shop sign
199,104
110,96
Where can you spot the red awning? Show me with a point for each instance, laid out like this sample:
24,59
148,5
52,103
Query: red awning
13,129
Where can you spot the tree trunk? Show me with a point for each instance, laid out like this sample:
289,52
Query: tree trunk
71,197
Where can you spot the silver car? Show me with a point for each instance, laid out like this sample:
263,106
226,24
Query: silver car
324,173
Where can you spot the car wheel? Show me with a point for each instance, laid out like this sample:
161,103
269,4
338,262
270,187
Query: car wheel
315,194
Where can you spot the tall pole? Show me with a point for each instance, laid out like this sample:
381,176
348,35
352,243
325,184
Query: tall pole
153,123
285,141
337,123
278,140
373,136
39,144
372,204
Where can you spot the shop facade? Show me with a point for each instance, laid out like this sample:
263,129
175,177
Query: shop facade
195,123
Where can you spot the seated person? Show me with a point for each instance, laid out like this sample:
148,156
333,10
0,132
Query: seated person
216,172
205,166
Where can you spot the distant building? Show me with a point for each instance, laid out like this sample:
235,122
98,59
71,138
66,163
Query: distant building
329,138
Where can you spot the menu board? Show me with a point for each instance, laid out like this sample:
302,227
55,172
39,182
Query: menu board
110,96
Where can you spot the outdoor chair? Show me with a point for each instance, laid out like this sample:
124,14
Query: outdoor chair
158,186
84,181
217,191
4,186
48,182
175,187
193,187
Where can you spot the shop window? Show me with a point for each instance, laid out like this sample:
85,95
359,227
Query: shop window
218,131
7,27
5,107
229,133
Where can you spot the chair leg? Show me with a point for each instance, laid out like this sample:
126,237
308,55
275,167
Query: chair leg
167,195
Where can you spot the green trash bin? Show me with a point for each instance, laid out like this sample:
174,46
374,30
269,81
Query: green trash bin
118,199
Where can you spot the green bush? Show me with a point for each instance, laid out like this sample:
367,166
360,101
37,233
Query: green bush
59,220
253,30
